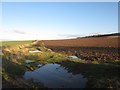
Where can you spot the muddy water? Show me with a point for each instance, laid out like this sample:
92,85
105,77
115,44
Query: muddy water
56,76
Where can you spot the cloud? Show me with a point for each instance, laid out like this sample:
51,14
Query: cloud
19,32
69,35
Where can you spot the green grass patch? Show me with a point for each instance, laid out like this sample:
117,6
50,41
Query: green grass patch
12,43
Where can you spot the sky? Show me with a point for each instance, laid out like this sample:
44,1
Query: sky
57,20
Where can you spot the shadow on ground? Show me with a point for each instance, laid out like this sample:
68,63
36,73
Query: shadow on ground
99,75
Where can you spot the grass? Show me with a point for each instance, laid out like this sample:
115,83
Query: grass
98,75
12,69
12,43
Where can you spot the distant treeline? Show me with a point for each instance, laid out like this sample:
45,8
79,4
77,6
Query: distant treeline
103,35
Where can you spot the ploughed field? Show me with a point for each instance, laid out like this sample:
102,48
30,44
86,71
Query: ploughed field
108,41
104,48
89,53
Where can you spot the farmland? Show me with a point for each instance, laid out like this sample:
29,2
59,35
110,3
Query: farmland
108,41
99,64
89,53
104,48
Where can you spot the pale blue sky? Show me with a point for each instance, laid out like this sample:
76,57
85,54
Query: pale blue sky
40,20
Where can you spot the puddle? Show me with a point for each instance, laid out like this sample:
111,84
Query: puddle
29,61
39,65
34,51
73,57
56,76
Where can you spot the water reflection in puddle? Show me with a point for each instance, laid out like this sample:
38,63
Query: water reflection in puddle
56,76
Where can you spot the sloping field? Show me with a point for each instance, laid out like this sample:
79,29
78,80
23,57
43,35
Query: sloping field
109,41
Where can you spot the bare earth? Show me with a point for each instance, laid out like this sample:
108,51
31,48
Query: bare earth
109,41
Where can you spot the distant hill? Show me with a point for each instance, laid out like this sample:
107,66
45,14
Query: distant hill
103,35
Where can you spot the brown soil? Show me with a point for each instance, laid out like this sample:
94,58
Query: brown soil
85,42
